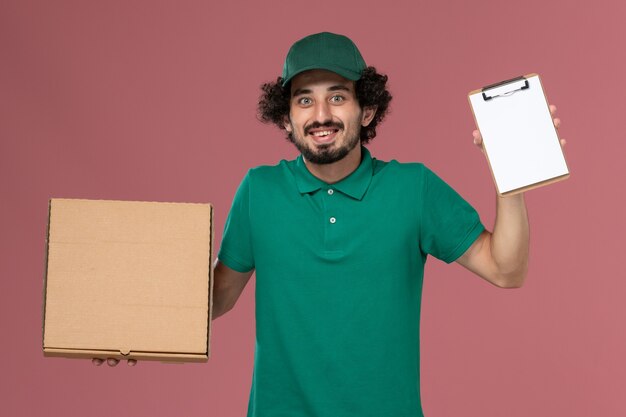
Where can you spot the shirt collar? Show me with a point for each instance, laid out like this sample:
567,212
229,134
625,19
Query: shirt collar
354,185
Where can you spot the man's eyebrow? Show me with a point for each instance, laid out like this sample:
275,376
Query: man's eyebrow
338,87
301,91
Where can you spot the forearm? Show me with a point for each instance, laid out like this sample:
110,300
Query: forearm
227,287
224,295
510,240
221,302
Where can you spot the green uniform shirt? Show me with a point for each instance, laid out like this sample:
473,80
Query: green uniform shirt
339,270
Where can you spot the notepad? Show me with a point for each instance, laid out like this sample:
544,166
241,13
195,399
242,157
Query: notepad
519,137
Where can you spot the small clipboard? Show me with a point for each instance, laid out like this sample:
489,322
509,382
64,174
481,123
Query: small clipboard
521,143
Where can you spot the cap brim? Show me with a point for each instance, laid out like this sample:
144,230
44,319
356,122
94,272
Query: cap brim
350,75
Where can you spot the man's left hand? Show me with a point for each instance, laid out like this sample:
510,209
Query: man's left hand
478,139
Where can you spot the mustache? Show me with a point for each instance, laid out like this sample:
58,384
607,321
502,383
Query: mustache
316,125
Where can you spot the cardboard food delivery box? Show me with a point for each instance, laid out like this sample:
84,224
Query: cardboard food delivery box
128,280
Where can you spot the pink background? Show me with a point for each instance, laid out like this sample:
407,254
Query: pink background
155,100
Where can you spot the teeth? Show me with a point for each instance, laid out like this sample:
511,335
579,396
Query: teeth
323,133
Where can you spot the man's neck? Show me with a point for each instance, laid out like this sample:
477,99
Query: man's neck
332,173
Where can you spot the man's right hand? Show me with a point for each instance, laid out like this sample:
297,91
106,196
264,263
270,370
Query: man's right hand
112,361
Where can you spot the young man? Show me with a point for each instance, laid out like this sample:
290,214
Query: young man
339,239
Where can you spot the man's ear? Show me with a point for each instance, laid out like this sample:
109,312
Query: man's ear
287,123
368,115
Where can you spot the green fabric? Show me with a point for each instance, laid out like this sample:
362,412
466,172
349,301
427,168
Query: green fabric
329,51
338,304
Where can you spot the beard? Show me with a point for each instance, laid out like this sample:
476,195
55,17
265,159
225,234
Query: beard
325,153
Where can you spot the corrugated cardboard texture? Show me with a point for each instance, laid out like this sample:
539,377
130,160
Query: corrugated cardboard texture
127,276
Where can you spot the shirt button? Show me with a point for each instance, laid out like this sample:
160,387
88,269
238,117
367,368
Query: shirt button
333,220
330,191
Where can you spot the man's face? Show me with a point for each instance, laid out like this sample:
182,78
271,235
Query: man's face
325,117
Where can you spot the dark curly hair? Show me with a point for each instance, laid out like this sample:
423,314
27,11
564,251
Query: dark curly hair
370,91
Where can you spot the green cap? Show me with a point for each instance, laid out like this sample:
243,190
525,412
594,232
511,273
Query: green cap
329,51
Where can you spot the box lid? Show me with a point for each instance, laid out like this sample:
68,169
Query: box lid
128,276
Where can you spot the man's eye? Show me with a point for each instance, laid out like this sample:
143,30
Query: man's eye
336,99
305,100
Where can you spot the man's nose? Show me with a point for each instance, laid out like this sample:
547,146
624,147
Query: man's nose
322,112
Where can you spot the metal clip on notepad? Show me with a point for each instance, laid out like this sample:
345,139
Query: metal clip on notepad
504,88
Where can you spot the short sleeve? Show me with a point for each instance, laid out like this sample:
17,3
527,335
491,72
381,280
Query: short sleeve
236,248
449,224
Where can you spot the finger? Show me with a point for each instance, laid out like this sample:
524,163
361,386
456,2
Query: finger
97,361
557,122
132,362
112,361
552,109
478,140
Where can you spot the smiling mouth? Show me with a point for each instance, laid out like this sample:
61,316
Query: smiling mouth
324,136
